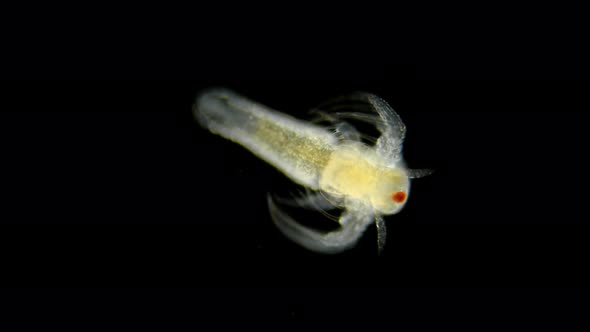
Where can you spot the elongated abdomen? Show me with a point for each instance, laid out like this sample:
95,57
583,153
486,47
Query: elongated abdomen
299,149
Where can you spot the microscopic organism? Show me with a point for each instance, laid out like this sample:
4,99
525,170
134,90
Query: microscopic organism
328,156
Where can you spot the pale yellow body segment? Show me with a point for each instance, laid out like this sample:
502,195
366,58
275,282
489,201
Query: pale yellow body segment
358,178
357,172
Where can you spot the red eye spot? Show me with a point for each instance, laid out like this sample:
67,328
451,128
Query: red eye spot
399,197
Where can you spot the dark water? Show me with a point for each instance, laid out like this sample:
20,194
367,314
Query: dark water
113,184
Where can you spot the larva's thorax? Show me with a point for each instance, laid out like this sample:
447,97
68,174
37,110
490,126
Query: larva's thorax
299,150
357,172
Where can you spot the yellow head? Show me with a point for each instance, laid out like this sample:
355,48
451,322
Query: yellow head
391,191
360,175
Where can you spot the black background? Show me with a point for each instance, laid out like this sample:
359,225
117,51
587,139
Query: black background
111,183
118,211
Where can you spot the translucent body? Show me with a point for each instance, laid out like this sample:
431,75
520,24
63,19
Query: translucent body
335,167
